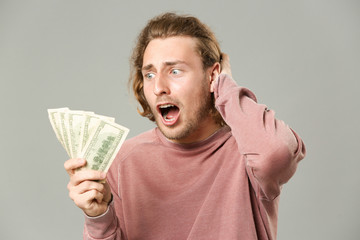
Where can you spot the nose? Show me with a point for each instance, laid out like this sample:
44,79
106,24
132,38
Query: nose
161,86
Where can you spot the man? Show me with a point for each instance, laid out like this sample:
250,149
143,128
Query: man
214,165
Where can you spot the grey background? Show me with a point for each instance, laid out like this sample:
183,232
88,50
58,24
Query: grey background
301,58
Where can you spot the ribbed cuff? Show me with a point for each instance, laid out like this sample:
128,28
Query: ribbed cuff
102,226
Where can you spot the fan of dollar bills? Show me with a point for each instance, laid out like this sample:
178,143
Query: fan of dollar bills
88,135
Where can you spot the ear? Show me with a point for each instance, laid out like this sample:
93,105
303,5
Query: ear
214,72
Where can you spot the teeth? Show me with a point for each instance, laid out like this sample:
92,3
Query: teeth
166,106
164,110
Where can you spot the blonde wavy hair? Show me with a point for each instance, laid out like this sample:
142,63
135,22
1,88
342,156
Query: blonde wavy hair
170,25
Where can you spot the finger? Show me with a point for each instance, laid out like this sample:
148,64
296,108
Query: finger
90,185
92,196
87,175
72,164
76,192
225,64
224,56
86,200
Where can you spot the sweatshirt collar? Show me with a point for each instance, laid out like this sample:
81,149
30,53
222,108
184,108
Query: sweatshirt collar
223,132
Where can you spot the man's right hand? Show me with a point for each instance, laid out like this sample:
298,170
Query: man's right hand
85,190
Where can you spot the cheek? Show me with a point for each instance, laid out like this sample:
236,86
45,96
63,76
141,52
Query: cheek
147,91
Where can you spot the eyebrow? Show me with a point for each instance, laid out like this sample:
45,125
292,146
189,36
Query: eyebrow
168,63
174,63
147,67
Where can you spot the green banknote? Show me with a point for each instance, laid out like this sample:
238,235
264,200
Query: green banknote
88,135
91,123
54,116
75,121
103,145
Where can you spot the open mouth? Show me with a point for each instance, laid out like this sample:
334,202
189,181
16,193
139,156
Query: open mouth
169,113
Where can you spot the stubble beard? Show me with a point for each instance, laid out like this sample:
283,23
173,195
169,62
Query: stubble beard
191,124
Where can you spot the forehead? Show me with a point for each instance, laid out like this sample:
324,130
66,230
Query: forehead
179,48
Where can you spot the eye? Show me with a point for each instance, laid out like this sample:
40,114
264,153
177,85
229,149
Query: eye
149,75
175,71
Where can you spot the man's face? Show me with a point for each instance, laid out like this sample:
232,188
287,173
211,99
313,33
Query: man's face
178,89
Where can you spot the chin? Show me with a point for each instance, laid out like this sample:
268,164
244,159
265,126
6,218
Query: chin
176,133
171,133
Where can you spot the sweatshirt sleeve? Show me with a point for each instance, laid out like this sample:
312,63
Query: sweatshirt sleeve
270,148
103,227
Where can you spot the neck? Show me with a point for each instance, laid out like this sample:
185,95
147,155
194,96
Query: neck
207,128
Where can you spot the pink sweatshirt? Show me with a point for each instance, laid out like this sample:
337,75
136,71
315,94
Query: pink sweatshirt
225,187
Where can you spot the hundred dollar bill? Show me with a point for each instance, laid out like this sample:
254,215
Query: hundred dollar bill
55,125
58,126
75,127
103,145
88,135
60,116
91,123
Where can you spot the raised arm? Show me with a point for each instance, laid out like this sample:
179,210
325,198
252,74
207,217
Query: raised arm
271,149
